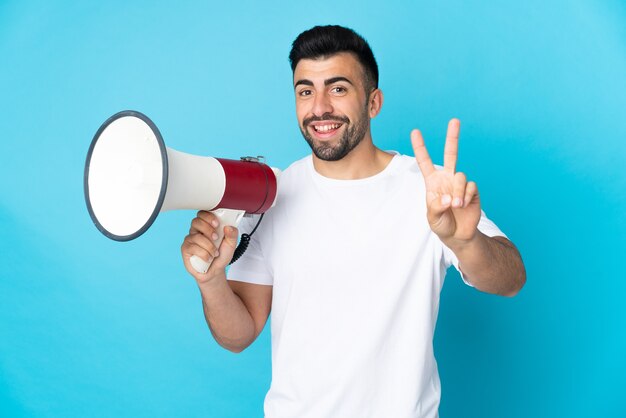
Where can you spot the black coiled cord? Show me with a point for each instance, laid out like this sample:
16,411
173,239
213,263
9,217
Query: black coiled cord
244,242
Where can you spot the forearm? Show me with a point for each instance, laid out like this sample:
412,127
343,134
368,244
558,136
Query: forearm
226,315
491,264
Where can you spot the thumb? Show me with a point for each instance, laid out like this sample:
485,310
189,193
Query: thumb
227,248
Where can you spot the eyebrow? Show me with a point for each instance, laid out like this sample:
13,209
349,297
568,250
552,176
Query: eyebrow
332,80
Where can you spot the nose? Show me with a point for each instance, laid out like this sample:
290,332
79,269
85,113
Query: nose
322,105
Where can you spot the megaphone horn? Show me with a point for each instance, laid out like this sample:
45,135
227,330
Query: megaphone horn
131,176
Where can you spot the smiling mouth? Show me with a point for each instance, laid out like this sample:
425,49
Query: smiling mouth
326,128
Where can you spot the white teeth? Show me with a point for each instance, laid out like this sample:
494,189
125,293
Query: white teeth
326,128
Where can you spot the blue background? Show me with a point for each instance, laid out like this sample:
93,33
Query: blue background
92,327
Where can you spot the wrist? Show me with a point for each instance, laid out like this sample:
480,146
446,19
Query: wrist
211,283
459,246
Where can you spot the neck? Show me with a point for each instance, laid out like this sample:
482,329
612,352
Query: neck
365,160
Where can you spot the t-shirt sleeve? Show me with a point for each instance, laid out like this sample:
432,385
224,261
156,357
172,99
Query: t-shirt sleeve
252,266
487,227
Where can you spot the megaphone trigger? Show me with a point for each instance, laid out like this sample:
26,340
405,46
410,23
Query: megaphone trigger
199,264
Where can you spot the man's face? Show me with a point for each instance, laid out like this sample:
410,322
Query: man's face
331,104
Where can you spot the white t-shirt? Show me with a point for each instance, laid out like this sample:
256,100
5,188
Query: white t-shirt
356,274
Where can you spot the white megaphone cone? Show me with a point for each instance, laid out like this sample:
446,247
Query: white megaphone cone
131,176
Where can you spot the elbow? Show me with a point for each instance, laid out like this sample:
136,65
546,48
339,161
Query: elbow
511,293
234,348
516,284
234,345
515,271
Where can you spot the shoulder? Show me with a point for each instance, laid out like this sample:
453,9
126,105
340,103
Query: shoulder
408,163
295,173
299,166
406,166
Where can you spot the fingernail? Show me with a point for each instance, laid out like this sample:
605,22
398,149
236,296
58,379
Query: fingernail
456,202
214,236
215,223
445,199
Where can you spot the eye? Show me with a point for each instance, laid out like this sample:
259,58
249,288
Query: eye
305,92
338,89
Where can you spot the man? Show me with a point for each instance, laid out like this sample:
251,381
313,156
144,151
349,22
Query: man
352,258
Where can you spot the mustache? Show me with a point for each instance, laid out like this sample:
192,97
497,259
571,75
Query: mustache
326,117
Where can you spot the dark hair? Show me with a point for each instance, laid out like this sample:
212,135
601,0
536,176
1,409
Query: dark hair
324,41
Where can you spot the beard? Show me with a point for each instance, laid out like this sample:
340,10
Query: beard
352,136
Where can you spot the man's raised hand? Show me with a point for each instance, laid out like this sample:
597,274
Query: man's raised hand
453,205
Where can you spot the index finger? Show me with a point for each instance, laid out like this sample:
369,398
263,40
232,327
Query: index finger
208,217
421,153
451,149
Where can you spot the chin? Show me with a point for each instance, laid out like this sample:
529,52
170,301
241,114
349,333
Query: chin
330,153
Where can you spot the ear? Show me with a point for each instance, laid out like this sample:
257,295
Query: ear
375,103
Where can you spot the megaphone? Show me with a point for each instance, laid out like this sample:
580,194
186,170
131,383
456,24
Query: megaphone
131,176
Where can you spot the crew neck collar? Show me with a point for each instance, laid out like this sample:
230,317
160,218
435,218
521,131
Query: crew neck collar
389,168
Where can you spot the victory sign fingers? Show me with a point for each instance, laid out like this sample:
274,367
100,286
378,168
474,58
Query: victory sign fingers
450,152
452,202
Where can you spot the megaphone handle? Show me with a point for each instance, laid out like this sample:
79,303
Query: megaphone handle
226,217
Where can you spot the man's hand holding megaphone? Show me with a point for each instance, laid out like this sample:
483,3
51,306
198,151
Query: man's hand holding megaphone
200,242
